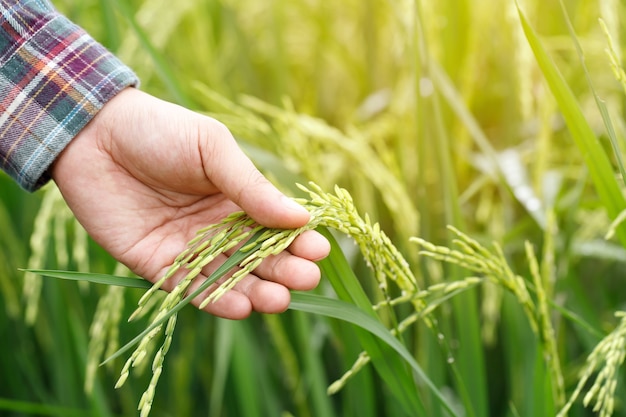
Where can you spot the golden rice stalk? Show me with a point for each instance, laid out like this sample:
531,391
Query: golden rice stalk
606,357
38,245
546,330
51,227
203,249
338,212
493,265
331,210
473,256
103,331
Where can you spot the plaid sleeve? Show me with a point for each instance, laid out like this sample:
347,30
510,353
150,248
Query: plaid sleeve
53,79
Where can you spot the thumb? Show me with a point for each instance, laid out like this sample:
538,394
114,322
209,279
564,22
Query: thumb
234,174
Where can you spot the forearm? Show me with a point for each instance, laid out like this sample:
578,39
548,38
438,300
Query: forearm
54,78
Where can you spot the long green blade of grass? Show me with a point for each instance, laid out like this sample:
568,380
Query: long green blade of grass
24,407
93,278
594,156
143,284
313,368
224,341
604,112
161,64
112,33
342,310
248,367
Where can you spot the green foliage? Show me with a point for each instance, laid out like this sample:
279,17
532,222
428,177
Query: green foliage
504,123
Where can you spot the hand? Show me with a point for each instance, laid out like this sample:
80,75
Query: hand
144,175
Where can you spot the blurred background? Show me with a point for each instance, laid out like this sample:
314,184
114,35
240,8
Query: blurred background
430,114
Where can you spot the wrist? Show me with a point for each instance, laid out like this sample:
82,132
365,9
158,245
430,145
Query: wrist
92,135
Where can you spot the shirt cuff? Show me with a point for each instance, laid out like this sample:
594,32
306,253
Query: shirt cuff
54,78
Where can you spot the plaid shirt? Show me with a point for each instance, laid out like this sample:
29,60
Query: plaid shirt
53,80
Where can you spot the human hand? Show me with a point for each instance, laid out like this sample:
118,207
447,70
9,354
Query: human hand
144,175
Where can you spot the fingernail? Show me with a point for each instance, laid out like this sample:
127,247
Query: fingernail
292,205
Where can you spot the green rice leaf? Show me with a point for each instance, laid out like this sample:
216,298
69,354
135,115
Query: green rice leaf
93,277
161,64
342,310
112,31
594,156
601,104
222,357
31,408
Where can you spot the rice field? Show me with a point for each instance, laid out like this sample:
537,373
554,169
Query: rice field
465,158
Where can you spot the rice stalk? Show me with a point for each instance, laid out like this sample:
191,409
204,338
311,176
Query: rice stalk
104,329
546,331
381,256
7,287
32,285
42,231
289,360
208,244
80,246
444,293
160,64
362,360
11,253
51,231
475,257
338,212
595,157
612,53
606,358
442,288
155,12
493,265
619,219
490,160
334,211
524,65
60,238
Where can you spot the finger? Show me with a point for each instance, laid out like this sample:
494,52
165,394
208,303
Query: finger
232,305
295,268
292,272
310,245
232,172
251,293
264,296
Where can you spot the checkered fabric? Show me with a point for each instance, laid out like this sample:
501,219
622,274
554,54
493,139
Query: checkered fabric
53,79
